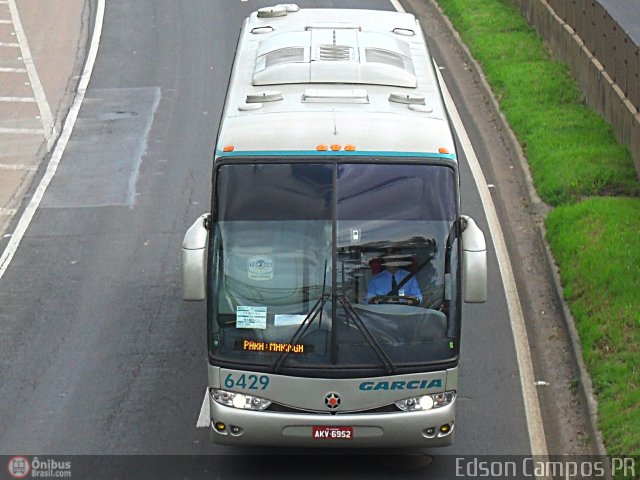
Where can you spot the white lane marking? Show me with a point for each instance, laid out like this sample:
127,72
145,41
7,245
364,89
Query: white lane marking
397,6
204,419
12,70
5,22
18,99
31,208
26,131
9,44
38,91
516,317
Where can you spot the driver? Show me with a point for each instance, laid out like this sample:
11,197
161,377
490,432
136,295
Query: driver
387,282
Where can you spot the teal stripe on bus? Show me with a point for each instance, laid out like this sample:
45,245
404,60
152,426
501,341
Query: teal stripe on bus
306,153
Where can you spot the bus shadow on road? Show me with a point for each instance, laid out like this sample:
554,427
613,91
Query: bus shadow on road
322,464
263,464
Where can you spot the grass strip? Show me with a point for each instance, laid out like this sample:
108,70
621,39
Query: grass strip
573,155
571,150
596,245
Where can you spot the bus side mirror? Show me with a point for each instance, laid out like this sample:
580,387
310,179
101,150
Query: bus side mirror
194,259
474,262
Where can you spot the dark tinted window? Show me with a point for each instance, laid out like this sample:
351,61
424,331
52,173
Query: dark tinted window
274,192
396,192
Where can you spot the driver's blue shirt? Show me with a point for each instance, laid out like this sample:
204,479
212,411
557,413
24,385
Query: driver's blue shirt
381,283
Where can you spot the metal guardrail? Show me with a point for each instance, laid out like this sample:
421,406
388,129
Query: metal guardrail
606,40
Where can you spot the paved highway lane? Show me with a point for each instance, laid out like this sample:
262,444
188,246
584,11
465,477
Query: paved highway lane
98,354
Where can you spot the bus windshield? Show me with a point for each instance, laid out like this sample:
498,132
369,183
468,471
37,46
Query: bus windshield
334,266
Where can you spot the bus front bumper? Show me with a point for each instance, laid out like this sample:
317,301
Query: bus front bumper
431,428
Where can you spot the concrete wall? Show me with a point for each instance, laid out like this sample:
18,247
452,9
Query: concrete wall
602,57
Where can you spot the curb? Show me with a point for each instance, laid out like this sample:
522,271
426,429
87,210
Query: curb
585,389
540,211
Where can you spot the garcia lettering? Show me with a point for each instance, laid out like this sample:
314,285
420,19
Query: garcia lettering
402,385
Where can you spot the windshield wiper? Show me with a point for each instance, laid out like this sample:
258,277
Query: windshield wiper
306,323
366,333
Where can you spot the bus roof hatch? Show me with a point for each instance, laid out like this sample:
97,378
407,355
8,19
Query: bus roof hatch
334,55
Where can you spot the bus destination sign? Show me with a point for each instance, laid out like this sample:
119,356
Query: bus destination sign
272,347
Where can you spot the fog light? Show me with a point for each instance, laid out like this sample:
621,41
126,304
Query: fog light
219,426
235,430
431,431
445,428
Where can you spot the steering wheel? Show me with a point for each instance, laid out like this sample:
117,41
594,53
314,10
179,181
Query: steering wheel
395,300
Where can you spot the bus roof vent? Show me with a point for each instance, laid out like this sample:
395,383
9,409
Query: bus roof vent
407,98
335,53
259,30
270,12
250,107
284,55
333,26
420,108
331,55
291,7
278,10
393,59
328,95
266,96
406,32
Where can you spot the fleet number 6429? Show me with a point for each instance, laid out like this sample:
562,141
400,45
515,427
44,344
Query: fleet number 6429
250,382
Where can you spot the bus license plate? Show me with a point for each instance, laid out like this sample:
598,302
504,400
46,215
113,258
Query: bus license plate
332,433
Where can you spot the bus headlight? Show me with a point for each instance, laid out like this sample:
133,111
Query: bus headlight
239,400
426,402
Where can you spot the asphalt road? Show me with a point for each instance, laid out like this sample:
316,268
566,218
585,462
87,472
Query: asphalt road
627,14
98,354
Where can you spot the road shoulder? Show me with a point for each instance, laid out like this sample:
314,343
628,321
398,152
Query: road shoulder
42,59
521,213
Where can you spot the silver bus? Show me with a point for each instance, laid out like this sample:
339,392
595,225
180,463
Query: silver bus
334,260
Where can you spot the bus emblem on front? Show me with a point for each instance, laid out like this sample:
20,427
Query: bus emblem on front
332,400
